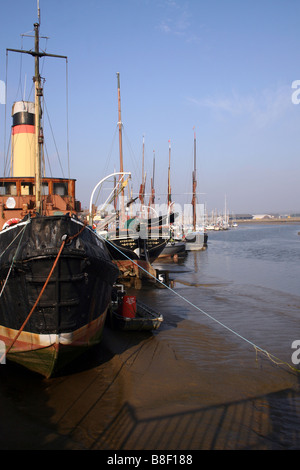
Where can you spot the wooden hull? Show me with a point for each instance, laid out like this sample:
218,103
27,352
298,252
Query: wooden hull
136,269
47,354
70,314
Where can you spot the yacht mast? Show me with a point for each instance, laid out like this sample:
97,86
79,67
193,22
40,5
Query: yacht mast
194,185
122,208
169,177
120,124
142,187
152,191
152,182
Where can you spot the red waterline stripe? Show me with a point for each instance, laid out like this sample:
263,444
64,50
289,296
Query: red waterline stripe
23,129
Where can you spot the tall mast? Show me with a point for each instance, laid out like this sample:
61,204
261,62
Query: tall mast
142,187
153,190
169,176
120,124
38,130
143,161
120,145
39,11
194,185
38,93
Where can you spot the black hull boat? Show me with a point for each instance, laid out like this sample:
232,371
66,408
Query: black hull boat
134,256
129,244
69,317
136,248
174,248
56,275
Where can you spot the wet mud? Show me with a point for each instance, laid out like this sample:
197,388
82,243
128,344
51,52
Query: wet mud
190,385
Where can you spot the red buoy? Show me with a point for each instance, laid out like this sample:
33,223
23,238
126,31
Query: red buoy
128,306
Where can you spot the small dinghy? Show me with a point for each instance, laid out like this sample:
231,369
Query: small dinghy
128,313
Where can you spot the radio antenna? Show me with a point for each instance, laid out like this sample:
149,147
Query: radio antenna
39,12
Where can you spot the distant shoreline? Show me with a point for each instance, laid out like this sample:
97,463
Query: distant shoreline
281,220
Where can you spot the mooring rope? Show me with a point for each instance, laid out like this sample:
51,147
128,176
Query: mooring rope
65,239
36,302
270,356
18,234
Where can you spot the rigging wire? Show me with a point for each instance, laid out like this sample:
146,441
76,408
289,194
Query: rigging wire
257,348
58,156
20,86
67,113
6,158
108,158
65,240
5,113
6,151
14,257
47,155
136,163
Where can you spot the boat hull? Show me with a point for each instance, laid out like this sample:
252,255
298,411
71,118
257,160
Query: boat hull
70,314
136,248
47,354
145,319
173,248
196,241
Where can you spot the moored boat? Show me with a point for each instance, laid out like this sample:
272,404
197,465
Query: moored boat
196,240
130,314
56,274
135,242
47,319
174,248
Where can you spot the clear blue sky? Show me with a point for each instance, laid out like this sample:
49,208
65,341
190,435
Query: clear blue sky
223,67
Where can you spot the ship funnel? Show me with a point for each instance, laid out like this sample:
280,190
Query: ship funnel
23,138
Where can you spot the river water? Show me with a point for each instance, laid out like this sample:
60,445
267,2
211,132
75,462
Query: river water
219,374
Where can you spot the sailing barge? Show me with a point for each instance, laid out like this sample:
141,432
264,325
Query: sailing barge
136,243
56,274
197,239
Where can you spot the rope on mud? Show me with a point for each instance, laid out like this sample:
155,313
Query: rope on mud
270,356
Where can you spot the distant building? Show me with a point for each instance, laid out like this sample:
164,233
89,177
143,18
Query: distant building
241,217
262,216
